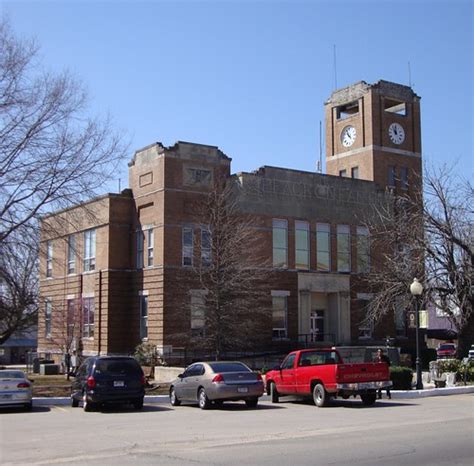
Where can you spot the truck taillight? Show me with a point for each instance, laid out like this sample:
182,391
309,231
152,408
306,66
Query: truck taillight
23,385
218,379
91,382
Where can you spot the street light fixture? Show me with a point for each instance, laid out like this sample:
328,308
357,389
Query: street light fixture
416,289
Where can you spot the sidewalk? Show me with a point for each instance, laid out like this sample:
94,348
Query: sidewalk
396,395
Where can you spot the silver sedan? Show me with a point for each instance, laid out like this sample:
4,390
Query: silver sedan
216,382
15,389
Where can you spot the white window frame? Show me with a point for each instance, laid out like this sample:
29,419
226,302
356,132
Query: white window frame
150,246
323,229
143,299
363,236
343,232
280,224
301,248
48,310
206,252
279,333
140,239
71,254
88,327
198,313
89,249
49,259
187,249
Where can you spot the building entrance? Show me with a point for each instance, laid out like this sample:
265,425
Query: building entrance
316,325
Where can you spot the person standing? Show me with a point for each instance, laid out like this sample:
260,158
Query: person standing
381,357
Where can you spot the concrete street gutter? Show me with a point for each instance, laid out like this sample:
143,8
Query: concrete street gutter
396,394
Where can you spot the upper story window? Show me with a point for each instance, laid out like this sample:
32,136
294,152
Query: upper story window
140,241
279,317
323,247
355,172
347,110
198,313
404,178
363,250
395,106
280,243
302,245
343,173
71,317
88,311
343,248
71,254
89,250
188,249
49,259
206,252
391,176
143,315
150,246
47,317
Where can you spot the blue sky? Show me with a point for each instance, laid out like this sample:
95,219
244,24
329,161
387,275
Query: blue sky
252,76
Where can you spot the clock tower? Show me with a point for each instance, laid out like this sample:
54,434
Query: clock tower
373,133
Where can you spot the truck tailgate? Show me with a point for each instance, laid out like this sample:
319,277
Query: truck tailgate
362,372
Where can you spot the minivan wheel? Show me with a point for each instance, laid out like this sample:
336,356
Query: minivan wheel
203,400
174,400
87,405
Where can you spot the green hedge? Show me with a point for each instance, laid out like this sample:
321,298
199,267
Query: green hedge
401,377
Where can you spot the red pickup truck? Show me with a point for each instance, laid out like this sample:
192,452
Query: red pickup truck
322,374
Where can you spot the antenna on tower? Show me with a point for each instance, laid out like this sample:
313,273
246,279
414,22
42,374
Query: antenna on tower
319,164
335,67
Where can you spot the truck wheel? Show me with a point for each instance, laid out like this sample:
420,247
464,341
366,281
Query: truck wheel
320,397
274,393
369,399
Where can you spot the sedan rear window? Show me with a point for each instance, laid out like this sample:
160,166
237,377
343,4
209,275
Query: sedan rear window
229,367
12,375
117,367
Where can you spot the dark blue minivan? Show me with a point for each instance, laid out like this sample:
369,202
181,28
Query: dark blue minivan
108,379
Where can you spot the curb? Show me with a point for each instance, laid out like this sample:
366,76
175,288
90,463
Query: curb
396,394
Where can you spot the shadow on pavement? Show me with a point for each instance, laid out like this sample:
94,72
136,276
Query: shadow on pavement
353,403
147,408
17,410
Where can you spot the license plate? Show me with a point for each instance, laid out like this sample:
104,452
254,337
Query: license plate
242,389
119,383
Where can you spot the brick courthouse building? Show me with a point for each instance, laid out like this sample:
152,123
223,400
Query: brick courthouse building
116,261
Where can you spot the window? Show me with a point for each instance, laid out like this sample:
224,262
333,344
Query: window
343,248
150,244
391,176
143,316
89,250
279,316
395,106
302,245
47,318
363,250
355,172
288,362
198,313
71,317
71,254
346,111
400,322
366,328
188,246
404,178
88,317
343,173
140,239
206,254
323,244
49,259
280,243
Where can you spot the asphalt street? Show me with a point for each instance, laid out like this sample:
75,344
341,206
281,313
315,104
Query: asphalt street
427,431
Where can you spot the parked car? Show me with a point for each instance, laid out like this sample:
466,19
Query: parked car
108,379
15,389
215,382
321,373
446,351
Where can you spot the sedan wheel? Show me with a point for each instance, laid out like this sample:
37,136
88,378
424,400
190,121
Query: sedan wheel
174,400
251,403
203,400
29,406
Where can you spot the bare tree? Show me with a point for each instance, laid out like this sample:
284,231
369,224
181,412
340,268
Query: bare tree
18,287
430,238
51,153
232,274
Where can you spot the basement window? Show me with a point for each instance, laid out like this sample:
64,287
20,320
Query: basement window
347,110
395,106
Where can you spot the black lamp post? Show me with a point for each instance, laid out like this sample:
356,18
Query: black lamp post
416,289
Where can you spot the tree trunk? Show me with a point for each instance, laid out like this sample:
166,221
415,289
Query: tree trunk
466,338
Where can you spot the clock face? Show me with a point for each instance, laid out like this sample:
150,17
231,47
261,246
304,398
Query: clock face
396,133
348,136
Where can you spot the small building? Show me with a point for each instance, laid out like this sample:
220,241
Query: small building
111,268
